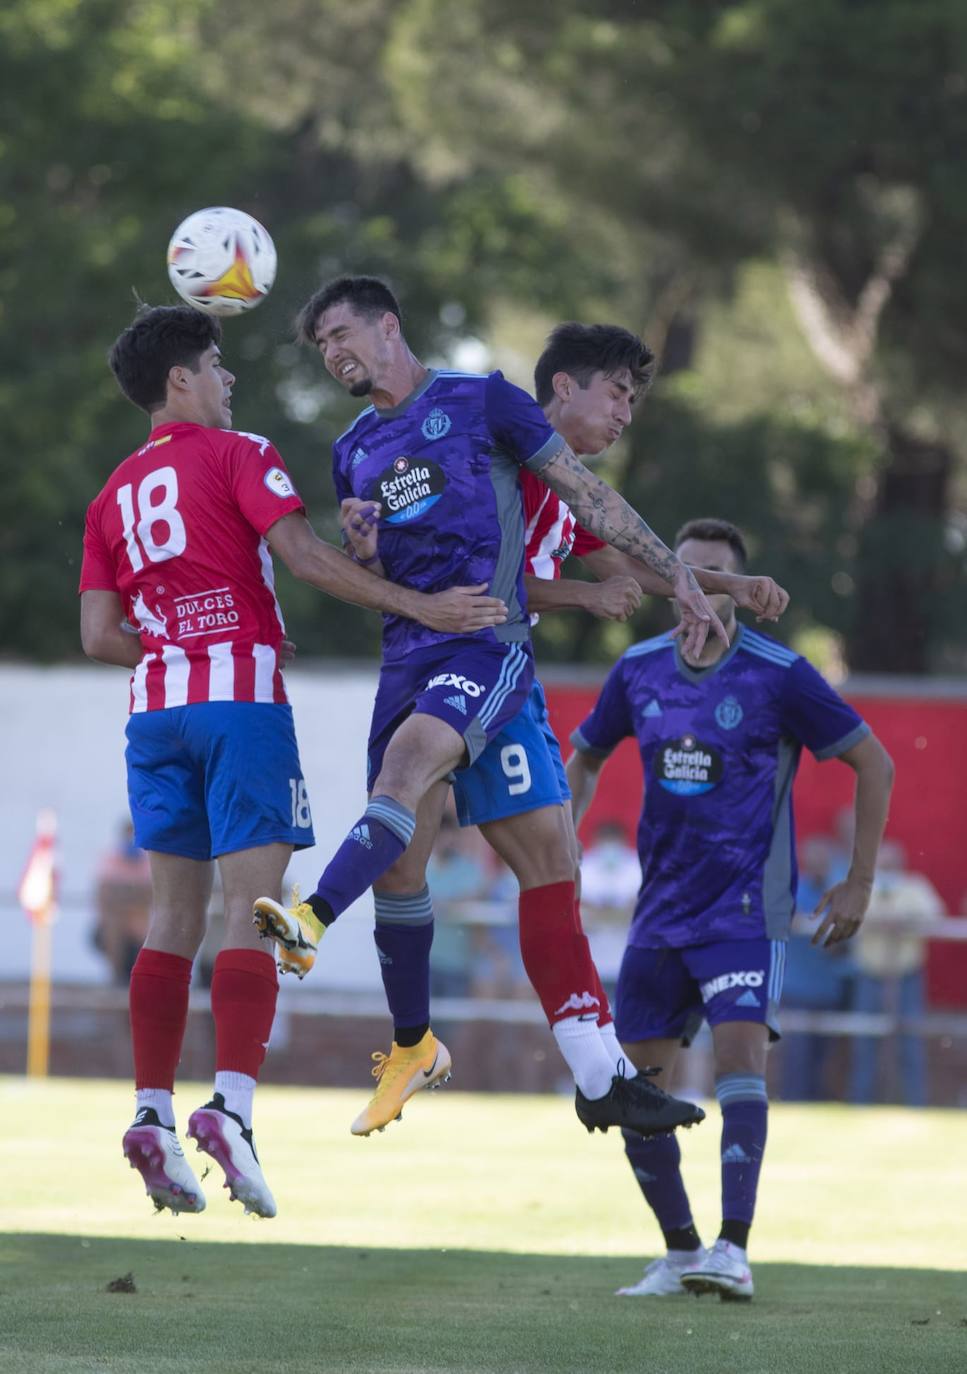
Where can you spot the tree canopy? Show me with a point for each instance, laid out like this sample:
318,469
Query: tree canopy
769,192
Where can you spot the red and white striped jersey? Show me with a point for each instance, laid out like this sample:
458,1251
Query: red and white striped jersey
550,531
177,532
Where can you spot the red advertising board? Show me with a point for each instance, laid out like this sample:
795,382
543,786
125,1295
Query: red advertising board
926,734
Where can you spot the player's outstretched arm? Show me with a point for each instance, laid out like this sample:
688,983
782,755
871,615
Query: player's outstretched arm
583,773
601,510
759,594
461,610
101,635
616,598
844,905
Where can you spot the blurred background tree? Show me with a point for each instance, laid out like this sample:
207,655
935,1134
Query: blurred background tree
769,192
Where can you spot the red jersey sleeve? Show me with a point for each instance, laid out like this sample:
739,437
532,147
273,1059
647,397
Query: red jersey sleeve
261,486
98,573
585,542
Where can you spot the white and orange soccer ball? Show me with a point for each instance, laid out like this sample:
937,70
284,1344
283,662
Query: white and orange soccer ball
222,261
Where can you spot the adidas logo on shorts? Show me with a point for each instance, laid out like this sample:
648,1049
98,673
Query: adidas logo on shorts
459,703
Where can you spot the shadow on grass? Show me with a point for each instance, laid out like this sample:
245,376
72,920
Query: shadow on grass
67,1305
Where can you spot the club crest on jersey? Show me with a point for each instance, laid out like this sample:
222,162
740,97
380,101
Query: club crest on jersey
436,424
728,713
688,767
563,549
278,483
407,489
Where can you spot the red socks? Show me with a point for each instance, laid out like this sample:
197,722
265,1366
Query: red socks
604,1009
245,988
556,954
158,1001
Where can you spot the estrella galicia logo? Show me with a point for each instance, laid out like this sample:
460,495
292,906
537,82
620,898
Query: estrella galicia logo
407,489
359,454
436,424
688,767
728,713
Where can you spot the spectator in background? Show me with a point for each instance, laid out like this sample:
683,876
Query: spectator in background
610,879
123,903
456,876
816,979
889,952
611,871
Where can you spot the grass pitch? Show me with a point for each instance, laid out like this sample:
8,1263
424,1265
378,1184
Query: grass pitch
482,1235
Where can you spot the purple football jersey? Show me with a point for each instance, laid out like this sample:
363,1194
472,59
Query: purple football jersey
444,464
719,747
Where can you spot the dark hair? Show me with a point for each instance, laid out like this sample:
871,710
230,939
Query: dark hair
159,338
581,350
711,528
368,296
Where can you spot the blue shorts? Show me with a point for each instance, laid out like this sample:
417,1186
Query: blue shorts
475,685
521,770
216,777
665,994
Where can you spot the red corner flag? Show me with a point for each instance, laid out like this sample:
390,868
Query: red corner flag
37,892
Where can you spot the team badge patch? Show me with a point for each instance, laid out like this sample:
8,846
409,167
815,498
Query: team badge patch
278,483
728,713
436,424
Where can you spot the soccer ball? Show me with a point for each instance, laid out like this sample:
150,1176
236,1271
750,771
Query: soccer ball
221,261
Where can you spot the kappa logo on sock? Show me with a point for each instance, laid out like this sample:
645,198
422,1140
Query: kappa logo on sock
578,1002
748,999
360,833
458,703
735,1155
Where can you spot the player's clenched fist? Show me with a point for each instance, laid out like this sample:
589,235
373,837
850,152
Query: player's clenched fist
616,598
762,595
360,524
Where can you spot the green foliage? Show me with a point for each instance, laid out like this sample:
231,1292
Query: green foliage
661,164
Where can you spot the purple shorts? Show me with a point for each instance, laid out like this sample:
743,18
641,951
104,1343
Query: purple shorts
474,685
665,994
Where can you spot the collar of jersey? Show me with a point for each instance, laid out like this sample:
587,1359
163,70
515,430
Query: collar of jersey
407,401
700,674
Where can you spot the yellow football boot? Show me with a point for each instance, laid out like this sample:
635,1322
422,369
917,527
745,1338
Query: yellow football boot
296,930
400,1074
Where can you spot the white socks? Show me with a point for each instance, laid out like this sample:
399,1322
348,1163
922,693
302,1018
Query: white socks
613,1045
237,1090
586,1054
158,1098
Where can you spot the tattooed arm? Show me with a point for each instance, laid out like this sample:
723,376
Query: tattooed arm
601,510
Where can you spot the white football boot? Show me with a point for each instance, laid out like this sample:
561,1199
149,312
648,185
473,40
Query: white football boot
155,1151
225,1137
663,1277
724,1270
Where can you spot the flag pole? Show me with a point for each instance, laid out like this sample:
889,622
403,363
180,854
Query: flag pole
38,897
38,1024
